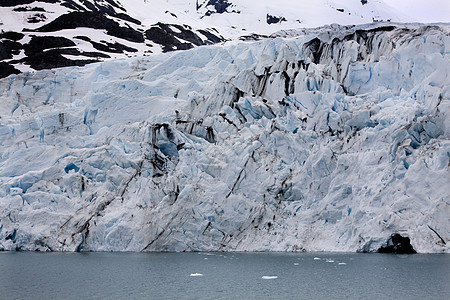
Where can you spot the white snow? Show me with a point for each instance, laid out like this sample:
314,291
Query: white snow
203,150
253,13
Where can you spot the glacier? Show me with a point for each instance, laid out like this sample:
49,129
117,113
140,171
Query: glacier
326,139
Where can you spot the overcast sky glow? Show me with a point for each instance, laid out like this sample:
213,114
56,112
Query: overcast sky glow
426,11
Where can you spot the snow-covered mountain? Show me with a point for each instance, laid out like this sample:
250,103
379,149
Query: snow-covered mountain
334,138
45,34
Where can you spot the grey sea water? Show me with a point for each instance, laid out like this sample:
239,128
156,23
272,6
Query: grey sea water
30,275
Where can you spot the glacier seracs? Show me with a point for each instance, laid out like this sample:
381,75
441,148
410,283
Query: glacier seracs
325,139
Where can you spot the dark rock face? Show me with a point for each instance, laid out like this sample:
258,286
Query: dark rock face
11,35
40,43
9,3
27,8
6,70
253,37
212,38
36,18
363,2
9,48
274,20
74,20
216,7
169,39
53,56
106,46
398,244
219,5
54,59
164,36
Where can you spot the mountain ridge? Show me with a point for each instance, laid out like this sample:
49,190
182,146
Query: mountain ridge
109,29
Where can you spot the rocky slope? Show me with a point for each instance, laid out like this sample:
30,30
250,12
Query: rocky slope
46,34
331,139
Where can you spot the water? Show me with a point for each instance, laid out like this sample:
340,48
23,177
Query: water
29,275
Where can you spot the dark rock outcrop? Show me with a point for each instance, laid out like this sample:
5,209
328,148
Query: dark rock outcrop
95,20
7,69
178,37
274,19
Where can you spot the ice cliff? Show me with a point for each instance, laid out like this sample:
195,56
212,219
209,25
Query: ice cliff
325,139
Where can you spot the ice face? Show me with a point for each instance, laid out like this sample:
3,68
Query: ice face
330,139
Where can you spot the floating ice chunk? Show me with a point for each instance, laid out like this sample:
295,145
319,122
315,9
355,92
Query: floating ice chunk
206,254
329,261
296,264
342,263
269,277
316,258
196,275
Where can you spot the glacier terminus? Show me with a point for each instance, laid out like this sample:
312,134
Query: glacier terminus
326,139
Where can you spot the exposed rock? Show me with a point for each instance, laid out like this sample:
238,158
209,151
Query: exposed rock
11,35
215,7
28,8
7,69
177,37
7,3
38,44
106,46
9,48
92,20
273,19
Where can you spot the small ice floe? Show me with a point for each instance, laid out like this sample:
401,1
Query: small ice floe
316,258
269,277
296,264
342,263
205,258
196,275
329,260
